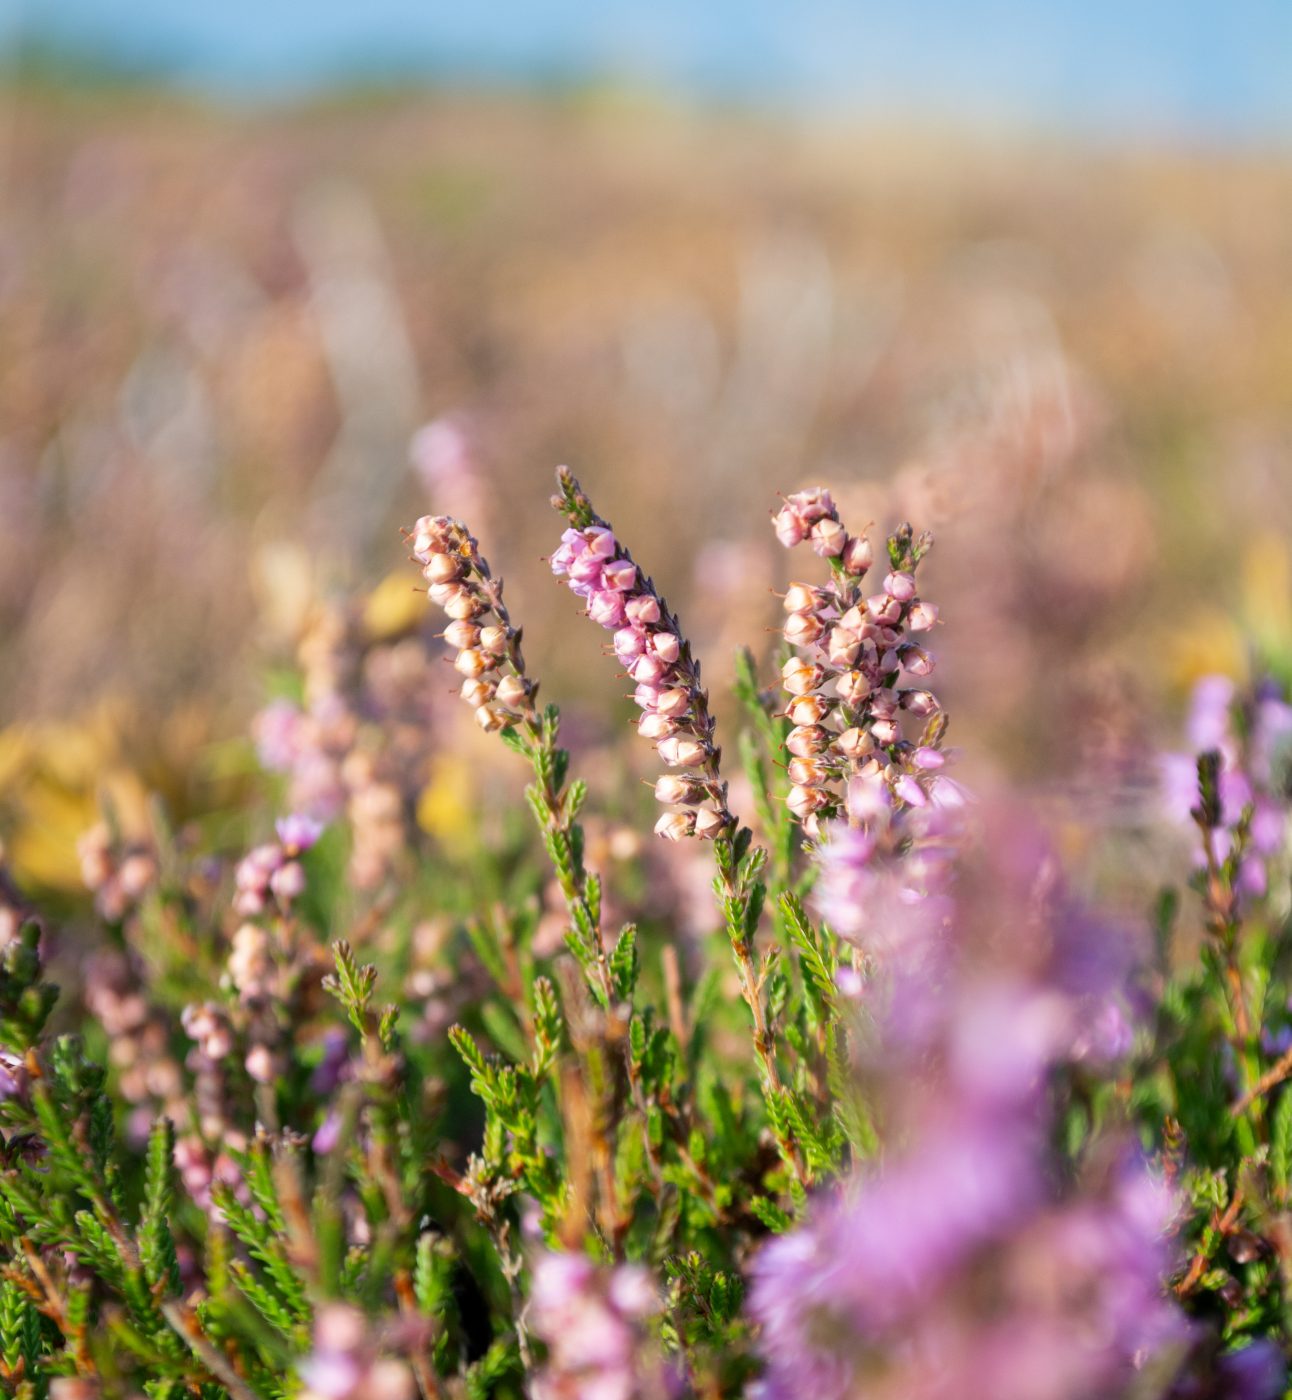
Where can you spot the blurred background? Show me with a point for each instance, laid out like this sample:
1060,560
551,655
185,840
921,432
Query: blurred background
276,278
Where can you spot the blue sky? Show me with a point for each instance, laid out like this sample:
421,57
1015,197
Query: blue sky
1209,69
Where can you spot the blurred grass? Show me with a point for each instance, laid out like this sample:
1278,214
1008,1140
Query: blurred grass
220,326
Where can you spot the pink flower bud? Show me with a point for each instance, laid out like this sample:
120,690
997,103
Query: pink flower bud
807,772
842,646
909,790
490,717
857,556
790,527
900,586
920,702
646,697
428,533
853,687
606,608
656,726
477,692
883,608
683,751
666,646
493,640
710,824
288,882
855,743
674,701
922,616
800,677
827,538
648,670
811,739
811,504
802,597
512,692
928,759
261,1065
885,731
444,568
802,629
673,826
600,542
807,710
629,644
674,788
916,660
857,621
619,574
642,611
803,801
461,634
471,663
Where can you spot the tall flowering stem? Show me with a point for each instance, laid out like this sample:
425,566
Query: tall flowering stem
850,653
503,695
649,642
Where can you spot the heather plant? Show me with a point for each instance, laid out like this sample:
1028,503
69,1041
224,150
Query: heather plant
899,1113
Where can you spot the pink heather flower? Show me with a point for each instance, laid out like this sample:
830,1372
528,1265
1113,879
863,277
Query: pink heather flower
277,732
900,586
298,833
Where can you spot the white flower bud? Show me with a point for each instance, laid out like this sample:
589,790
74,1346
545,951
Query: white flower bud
800,677
857,555
477,692
471,663
656,726
805,742
802,801
807,710
461,602
443,568
462,634
490,717
842,646
671,787
802,629
827,538
855,743
682,751
512,692
807,772
673,826
853,687
803,598
494,639
885,731
710,824
673,702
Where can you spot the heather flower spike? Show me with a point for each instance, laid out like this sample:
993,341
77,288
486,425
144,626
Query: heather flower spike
649,644
850,651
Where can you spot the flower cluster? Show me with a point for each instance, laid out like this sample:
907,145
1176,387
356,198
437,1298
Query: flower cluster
485,646
850,651
272,875
650,646
592,1322
961,1257
117,878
